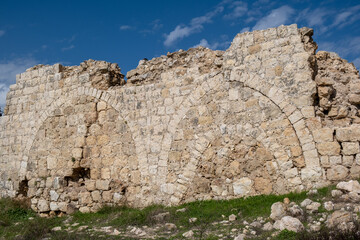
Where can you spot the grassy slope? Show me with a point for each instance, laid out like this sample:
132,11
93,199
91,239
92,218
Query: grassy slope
15,223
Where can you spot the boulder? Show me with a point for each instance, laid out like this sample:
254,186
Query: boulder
268,226
289,223
305,202
313,207
338,217
296,211
232,217
329,206
240,237
188,234
278,211
350,186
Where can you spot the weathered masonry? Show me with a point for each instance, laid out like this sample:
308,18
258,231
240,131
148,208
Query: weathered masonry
268,115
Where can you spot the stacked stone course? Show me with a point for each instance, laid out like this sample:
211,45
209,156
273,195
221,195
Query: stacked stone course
268,115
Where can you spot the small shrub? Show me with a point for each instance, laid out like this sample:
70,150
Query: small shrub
33,230
286,235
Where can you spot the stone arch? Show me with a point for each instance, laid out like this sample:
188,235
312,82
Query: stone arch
98,94
103,171
276,96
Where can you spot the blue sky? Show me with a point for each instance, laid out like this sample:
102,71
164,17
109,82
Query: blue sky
69,32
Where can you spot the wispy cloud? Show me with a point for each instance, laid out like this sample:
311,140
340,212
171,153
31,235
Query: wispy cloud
316,18
8,71
196,25
239,9
68,48
153,27
357,63
275,18
345,47
125,27
2,33
156,25
347,17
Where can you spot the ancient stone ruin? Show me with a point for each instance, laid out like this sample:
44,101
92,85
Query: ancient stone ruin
268,115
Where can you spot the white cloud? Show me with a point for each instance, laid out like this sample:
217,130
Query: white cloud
204,43
215,46
2,32
8,71
276,17
179,33
196,25
239,9
125,27
68,48
357,63
245,29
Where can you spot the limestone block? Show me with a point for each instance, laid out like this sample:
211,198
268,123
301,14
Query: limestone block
54,206
263,185
295,117
84,209
355,171
107,196
96,196
102,140
62,206
337,172
100,106
293,172
335,160
117,197
348,160
311,173
80,142
350,148
357,159
51,162
77,153
328,148
85,198
242,186
323,135
43,205
308,112
90,185
299,162
325,161
348,134
102,184
54,196
354,98
296,151
105,173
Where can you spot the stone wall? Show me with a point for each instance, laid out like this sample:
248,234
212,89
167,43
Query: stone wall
268,115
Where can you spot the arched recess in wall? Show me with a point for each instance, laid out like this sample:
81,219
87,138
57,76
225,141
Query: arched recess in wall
84,139
290,160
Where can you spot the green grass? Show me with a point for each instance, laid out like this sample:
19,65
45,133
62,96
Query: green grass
15,223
